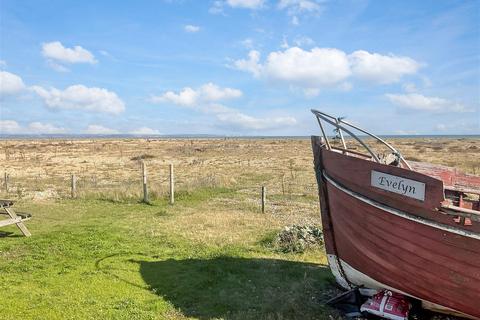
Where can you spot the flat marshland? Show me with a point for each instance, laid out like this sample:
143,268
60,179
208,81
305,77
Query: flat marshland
106,255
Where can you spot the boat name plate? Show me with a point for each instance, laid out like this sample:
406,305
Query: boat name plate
406,187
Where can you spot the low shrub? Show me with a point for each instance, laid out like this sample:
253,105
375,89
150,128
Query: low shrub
298,238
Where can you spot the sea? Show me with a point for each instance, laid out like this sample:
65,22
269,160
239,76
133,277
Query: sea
204,136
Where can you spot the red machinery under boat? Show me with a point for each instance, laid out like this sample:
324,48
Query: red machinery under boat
409,227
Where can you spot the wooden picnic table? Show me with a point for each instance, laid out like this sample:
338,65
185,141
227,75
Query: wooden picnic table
6,208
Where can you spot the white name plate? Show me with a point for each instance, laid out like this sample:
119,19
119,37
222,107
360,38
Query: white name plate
406,187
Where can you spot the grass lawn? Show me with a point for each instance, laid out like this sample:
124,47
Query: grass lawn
96,259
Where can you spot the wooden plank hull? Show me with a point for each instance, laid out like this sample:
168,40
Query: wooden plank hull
376,239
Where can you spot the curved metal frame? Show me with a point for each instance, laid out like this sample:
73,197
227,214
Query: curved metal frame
341,125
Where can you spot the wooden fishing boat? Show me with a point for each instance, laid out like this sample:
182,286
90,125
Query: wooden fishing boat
388,223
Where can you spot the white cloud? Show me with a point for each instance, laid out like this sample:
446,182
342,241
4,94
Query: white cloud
82,98
98,129
303,41
57,67
381,69
409,87
298,6
191,28
212,92
205,94
247,43
186,97
325,67
145,131
218,5
47,128
295,8
415,101
238,121
311,92
3,63
205,100
247,4
10,83
9,127
56,51
316,68
456,127
12,127
252,64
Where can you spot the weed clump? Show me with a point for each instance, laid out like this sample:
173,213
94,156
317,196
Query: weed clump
298,238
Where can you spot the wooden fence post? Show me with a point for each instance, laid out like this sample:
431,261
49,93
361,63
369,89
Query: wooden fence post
144,181
5,179
264,198
74,186
283,184
172,190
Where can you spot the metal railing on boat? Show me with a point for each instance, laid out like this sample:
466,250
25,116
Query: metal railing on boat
344,126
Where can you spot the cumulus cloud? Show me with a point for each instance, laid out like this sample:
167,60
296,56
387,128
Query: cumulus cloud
10,83
57,67
82,98
295,8
409,87
144,131
299,6
251,64
98,129
238,121
9,127
416,101
326,67
247,43
191,28
381,69
470,127
12,127
218,5
247,4
316,68
46,128
56,51
186,97
303,41
205,100
192,97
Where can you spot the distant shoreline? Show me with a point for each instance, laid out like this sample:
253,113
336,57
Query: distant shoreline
205,136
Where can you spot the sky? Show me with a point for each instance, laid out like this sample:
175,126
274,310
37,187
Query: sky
238,67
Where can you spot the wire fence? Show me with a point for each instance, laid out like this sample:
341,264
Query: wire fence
125,181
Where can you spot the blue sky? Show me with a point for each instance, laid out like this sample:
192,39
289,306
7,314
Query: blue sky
239,67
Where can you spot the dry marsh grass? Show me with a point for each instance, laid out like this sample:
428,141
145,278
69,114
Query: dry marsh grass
110,167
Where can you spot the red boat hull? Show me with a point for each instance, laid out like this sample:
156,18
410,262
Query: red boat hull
380,239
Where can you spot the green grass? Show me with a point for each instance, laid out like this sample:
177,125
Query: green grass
94,259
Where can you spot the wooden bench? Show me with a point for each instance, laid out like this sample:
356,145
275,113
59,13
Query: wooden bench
6,208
